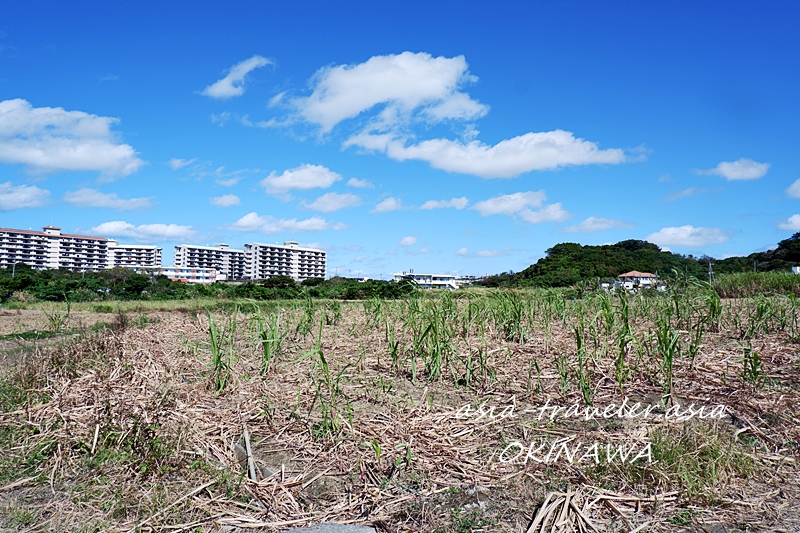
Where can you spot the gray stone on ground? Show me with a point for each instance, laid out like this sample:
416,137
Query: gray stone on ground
330,527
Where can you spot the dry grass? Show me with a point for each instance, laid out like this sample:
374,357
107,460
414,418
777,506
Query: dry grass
121,429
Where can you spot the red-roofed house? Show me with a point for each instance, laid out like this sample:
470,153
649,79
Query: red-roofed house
634,278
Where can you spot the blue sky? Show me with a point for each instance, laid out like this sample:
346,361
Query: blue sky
438,136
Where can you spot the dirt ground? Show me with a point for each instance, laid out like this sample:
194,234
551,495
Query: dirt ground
132,427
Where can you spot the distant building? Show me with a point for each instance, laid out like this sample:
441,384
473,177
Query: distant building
229,263
50,249
131,255
268,260
183,274
634,278
256,261
796,270
430,281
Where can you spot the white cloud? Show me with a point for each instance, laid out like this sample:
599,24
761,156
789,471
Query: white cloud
221,119
551,213
233,83
593,224
790,224
303,177
21,196
318,245
457,203
360,184
509,204
794,189
390,204
421,251
50,139
144,232
491,253
226,200
742,169
408,241
462,251
94,198
401,84
229,182
511,157
688,236
691,191
176,163
519,204
332,201
253,222
390,94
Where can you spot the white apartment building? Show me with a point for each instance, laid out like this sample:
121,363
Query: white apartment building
51,249
430,281
267,260
228,262
127,255
183,274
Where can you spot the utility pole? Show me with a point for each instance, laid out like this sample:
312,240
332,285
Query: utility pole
710,273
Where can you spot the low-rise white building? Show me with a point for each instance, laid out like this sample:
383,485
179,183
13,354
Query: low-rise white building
430,281
183,274
634,278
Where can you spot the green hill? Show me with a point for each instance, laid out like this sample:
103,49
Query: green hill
568,263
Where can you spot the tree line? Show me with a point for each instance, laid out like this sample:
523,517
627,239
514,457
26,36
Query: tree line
25,283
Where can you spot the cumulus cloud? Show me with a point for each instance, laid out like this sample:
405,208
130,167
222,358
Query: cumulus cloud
790,224
385,97
457,203
332,201
176,163
462,251
551,213
793,190
508,204
359,184
226,200
233,84
21,196
303,177
741,169
401,84
408,241
50,139
253,222
390,204
592,224
519,205
688,236
144,232
94,198
532,151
